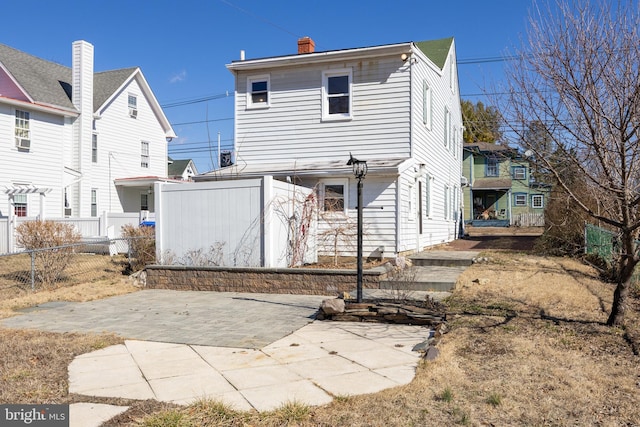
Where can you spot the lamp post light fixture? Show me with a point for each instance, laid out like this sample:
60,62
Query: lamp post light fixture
359,171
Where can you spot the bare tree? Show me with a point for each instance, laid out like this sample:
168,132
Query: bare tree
578,73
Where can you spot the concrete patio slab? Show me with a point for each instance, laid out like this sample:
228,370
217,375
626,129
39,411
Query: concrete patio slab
92,414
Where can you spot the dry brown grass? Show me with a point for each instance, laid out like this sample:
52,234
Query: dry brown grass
528,347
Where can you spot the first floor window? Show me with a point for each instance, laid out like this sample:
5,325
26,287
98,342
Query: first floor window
20,205
520,200
144,154
334,196
537,201
94,202
447,202
144,202
427,196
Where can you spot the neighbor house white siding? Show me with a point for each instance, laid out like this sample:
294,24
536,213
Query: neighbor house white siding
40,166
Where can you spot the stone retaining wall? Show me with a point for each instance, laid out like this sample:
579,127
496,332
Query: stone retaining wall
309,281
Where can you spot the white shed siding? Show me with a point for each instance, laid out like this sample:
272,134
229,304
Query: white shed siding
44,160
119,148
292,126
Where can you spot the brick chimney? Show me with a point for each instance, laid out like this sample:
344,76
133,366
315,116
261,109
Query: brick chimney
306,45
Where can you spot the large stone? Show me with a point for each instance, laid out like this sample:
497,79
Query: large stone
332,306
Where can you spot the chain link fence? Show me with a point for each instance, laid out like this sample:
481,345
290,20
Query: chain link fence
73,264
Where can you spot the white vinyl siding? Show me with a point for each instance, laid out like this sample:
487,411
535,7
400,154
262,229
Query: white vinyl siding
293,127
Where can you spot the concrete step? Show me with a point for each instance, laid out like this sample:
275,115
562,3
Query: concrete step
443,258
421,278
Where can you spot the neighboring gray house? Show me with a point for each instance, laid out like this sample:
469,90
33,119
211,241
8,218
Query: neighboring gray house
182,170
74,142
299,116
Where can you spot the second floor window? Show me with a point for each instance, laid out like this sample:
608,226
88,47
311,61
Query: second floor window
492,166
22,131
258,92
519,172
337,95
426,104
144,154
94,148
133,106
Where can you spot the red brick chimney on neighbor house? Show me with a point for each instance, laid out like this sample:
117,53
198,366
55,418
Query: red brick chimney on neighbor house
306,45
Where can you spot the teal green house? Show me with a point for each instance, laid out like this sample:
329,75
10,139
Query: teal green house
501,189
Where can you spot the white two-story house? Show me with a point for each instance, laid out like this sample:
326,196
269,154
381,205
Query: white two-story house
74,142
299,117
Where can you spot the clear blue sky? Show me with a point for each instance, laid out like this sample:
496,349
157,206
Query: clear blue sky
182,46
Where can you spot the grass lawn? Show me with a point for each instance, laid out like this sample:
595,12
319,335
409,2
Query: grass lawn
527,346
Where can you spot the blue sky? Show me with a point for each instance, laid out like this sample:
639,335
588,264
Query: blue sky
182,46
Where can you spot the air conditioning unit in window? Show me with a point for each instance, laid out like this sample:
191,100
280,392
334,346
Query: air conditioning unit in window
133,112
23,143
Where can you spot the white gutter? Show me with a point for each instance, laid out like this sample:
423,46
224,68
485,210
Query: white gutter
39,107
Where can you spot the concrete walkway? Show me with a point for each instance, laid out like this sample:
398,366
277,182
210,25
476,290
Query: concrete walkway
252,351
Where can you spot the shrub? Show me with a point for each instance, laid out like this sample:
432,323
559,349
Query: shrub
39,236
142,246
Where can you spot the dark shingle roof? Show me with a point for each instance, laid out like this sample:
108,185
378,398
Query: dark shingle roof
436,50
44,81
177,167
49,83
106,83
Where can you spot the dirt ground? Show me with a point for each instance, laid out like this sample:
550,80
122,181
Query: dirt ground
496,238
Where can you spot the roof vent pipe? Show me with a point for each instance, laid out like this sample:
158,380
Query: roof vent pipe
242,55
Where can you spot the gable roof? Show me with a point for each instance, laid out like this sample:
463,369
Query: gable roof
436,50
44,82
48,83
177,167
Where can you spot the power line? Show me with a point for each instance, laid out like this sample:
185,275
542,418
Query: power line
196,100
201,121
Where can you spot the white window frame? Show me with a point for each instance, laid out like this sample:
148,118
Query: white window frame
427,104
94,148
428,196
520,199
537,201
132,104
22,130
22,201
325,94
344,182
257,79
94,202
447,127
517,170
144,154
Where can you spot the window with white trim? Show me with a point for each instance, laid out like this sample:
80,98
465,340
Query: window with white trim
334,195
519,172
520,199
427,195
537,201
447,127
20,204
427,95
94,148
94,202
492,167
144,154
258,91
22,130
336,94
132,102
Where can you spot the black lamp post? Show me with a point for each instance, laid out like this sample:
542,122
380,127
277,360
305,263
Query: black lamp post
359,171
